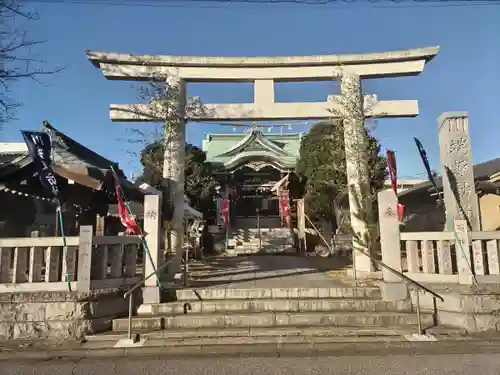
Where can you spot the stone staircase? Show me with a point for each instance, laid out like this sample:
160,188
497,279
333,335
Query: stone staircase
272,240
224,316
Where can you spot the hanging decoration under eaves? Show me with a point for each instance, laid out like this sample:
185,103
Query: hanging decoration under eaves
17,192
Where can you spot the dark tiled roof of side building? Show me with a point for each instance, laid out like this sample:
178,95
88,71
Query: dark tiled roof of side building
481,171
7,158
11,157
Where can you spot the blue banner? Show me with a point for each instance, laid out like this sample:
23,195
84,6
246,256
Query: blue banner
39,147
425,160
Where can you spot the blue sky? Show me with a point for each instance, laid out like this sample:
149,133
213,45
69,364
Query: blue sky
463,77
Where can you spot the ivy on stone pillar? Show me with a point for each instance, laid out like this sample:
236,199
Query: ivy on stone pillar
173,164
358,177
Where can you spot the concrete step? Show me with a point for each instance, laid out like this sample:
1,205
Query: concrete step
309,332
255,248
276,319
259,342
271,250
252,237
271,240
278,233
275,293
281,305
250,242
283,341
239,249
265,231
244,245
254,242
264,242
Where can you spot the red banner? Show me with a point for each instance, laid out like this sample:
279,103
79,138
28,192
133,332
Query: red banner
224,209
393,173
127,221
401,209
285,206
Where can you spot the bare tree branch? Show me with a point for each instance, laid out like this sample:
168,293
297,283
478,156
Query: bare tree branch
18,60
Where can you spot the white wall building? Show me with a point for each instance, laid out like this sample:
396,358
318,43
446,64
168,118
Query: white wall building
404,184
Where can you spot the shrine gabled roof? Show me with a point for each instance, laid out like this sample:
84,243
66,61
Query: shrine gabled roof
247,157
255,138
69,151
228,149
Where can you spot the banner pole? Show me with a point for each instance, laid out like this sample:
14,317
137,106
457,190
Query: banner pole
65,247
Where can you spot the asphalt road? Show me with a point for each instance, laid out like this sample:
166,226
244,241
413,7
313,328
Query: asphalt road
473,364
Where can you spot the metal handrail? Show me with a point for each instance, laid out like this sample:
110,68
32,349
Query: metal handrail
404,277
130,294
395,272
408,280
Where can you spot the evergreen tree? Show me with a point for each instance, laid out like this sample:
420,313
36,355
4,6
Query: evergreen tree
322,169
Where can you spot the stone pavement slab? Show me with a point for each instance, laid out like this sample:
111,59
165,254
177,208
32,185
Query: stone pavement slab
267,271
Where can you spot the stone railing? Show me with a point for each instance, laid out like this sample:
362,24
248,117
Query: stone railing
455,256
91,262
435,256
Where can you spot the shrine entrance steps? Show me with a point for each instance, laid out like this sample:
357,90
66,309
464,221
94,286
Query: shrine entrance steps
274,300
245,241
220,316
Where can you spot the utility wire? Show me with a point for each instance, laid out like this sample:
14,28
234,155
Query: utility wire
323,3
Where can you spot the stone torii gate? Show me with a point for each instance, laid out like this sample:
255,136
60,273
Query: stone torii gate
263,72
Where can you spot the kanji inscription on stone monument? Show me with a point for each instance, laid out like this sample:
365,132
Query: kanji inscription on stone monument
390,212
464,190
458,146
456,169
151,214
459,167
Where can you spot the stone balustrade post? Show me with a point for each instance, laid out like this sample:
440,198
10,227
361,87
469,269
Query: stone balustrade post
462,251
84,258
154,261
393,287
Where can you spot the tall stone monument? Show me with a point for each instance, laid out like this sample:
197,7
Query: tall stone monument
461,202
264,72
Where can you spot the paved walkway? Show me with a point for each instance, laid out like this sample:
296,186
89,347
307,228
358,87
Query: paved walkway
267,271
383,363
